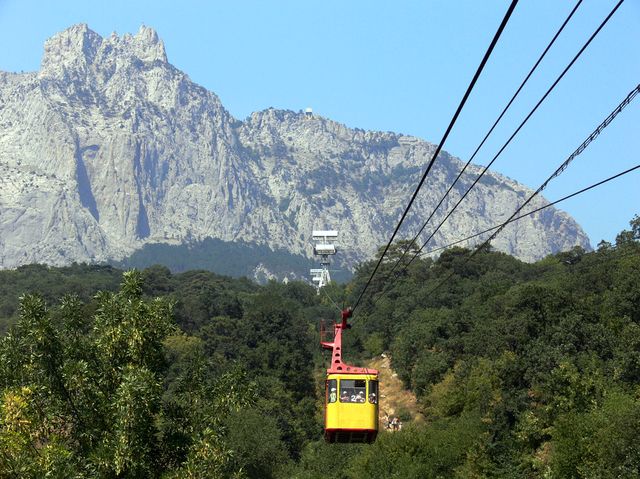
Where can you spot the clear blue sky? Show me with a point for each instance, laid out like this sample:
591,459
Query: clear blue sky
400,66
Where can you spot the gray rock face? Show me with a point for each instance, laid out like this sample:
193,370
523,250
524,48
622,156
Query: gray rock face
109,147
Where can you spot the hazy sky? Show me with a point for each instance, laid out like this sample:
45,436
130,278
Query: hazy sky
401,66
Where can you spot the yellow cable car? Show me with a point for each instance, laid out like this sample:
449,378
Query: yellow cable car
351,395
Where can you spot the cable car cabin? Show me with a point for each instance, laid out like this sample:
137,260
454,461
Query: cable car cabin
351,408
351,395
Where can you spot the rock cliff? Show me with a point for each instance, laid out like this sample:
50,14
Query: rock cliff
109,147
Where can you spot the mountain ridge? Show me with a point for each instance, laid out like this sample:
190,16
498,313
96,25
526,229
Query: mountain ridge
109,147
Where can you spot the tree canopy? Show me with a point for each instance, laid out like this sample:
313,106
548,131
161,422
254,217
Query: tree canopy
520,370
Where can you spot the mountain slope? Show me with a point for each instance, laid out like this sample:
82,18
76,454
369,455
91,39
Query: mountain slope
109,147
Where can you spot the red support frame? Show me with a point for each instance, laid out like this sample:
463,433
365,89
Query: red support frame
337,365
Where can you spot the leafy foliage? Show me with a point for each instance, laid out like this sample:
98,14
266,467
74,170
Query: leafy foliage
521,370
540,361
107,385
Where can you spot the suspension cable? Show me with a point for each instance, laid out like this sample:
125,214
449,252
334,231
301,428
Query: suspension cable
560,200
330,299
494,41
555,174
517,130
544,97
454,243
504,111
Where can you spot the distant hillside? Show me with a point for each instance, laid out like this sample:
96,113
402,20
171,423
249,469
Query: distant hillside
235,259
108,148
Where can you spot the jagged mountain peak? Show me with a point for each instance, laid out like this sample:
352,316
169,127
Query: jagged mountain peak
80,50
71,49
148,46
147,35
109,147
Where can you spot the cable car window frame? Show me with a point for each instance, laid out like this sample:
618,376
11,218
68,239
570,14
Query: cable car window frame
373,388
353,387
331,383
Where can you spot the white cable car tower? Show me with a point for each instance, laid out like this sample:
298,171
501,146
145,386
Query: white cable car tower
324,247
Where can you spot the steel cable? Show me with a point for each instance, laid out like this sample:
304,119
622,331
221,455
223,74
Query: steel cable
504,111
494,41
542,99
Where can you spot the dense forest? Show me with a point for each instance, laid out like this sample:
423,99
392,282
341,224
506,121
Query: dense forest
520,370
231,258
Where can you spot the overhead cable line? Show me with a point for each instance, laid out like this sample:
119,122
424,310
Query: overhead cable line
555,174
504,111
330,299
619,256
607,121
529,115
542,99
494,41
454,243
517,130
560,200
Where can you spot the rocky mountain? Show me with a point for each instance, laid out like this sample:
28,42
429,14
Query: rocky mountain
109,148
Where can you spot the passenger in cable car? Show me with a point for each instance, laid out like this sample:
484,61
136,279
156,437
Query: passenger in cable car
372,398
333,396
344,397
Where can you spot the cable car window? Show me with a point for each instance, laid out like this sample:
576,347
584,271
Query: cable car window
332,391
373,392
353,390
